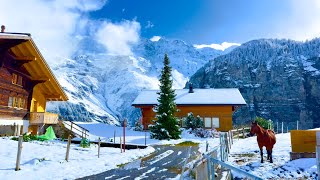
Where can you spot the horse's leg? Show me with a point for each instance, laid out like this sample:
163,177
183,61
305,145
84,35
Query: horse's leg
268,154
261,153
271,156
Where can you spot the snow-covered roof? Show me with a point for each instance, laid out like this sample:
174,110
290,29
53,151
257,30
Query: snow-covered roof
230,96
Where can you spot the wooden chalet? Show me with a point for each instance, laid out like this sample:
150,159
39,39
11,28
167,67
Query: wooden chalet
26,84
214,106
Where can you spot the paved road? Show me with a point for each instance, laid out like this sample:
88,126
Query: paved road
165,162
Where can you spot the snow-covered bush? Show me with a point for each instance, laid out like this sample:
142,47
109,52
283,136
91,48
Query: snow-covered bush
138,126
193,122
205,133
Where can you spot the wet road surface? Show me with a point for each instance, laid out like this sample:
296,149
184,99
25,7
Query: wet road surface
166,162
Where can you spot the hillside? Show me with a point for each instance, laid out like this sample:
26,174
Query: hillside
279,80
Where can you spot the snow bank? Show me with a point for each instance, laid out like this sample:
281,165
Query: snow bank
245,154
45,160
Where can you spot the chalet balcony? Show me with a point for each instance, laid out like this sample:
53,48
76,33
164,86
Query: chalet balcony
43,118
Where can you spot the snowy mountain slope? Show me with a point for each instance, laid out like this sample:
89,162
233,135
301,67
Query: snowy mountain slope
102,87
279,80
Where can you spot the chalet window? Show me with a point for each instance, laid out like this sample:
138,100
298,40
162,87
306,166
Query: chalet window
15,102
14,78
215,122
207,122
10,102
17,79
22,102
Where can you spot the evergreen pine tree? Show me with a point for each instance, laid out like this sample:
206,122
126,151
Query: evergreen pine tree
166,125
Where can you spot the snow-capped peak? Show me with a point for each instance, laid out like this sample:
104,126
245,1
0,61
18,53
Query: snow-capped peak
223,46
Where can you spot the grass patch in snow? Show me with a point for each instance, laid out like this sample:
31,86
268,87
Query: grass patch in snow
187,143
122,165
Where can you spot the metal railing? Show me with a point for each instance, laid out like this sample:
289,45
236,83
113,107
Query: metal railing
224,147
211,170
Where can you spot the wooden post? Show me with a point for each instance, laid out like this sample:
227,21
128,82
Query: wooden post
207,146
231,136
15,129
124,135
99,143
238,133
145,137
19,153
120,145
277,127
282,128
226,142
243,133
71,126
68,147
297,125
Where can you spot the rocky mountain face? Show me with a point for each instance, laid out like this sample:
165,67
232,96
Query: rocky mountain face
102,87
279,79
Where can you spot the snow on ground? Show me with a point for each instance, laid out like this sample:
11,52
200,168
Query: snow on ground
45,160
245,154
106,133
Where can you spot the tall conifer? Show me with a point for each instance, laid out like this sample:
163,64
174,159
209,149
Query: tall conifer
166,125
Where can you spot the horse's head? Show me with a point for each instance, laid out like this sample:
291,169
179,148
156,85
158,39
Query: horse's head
254,128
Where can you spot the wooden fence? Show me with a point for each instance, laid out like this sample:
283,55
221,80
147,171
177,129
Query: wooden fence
11,130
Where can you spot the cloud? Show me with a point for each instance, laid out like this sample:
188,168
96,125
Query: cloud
221,47
118,37
149,25
52,24
302,22
155,38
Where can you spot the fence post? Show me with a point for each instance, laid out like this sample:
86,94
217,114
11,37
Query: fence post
207,146
19,153
238,134
231,136
145,137
71,126
185,163
277,127
99,143
243,133
208,167
15,129
68,147
124,134
120,145
297,125
282,128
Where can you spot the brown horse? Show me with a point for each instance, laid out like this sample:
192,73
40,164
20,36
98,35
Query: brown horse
265,138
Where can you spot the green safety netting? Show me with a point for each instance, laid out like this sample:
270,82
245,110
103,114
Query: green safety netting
49,135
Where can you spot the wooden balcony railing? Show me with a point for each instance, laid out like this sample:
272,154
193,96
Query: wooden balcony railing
43,118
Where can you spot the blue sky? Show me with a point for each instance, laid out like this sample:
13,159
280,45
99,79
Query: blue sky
216,21
59,26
